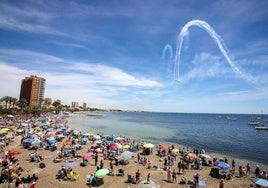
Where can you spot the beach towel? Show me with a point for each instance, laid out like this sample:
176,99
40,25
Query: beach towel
202,183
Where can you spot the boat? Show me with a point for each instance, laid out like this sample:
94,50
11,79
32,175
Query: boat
254,123
261,128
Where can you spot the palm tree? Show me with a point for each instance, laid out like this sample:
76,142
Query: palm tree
47,102
6,99
14,101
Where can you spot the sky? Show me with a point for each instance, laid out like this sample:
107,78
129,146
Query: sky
154,55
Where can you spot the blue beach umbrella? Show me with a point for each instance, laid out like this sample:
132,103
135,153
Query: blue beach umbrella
51,140
221,164
36,141
70,164
68,149
28,140
84,139
261,182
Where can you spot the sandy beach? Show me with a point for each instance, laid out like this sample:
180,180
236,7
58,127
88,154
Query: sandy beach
47,176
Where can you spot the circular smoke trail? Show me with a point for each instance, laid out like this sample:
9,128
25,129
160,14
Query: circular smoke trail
204,25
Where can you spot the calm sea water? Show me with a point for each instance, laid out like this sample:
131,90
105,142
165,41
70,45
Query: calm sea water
216,133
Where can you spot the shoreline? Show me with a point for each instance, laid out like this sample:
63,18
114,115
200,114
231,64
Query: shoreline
240,161
47,176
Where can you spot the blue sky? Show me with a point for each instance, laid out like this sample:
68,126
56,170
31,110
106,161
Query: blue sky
124,54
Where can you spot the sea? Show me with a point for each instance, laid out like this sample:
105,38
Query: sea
221,134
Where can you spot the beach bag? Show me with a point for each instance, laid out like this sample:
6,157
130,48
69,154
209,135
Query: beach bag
42,165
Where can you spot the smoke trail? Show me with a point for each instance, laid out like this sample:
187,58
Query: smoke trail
168,63
169,49
204,25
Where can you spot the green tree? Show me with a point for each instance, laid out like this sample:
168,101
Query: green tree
57,105
22,103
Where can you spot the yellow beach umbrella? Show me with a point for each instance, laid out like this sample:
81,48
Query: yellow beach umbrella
126,146
4,130
175,150
37,128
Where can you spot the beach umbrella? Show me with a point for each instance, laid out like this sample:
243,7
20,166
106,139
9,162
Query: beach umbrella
87,155
101,172
97,137
37,128
126,146
132,150
164,147
148,145
119,145
98,142
205,156
14,152
51,140
191,155
68,143
70,164
84,139
221,164
68,149
112,151
36,141
119,138
111,142
175,150
87,134
28,140
261,182
5,130
113,146
126,155
97,149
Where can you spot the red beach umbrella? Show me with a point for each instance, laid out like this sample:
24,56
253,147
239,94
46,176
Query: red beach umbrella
164,147
87,155
113,146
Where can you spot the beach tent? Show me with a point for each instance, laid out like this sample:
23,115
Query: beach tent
260,182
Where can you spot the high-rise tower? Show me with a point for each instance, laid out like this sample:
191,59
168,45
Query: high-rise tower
33,90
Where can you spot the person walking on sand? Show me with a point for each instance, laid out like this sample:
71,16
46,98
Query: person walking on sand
169,174
221,184
248,169
174,176
138,176
149,178
233,165
96,159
